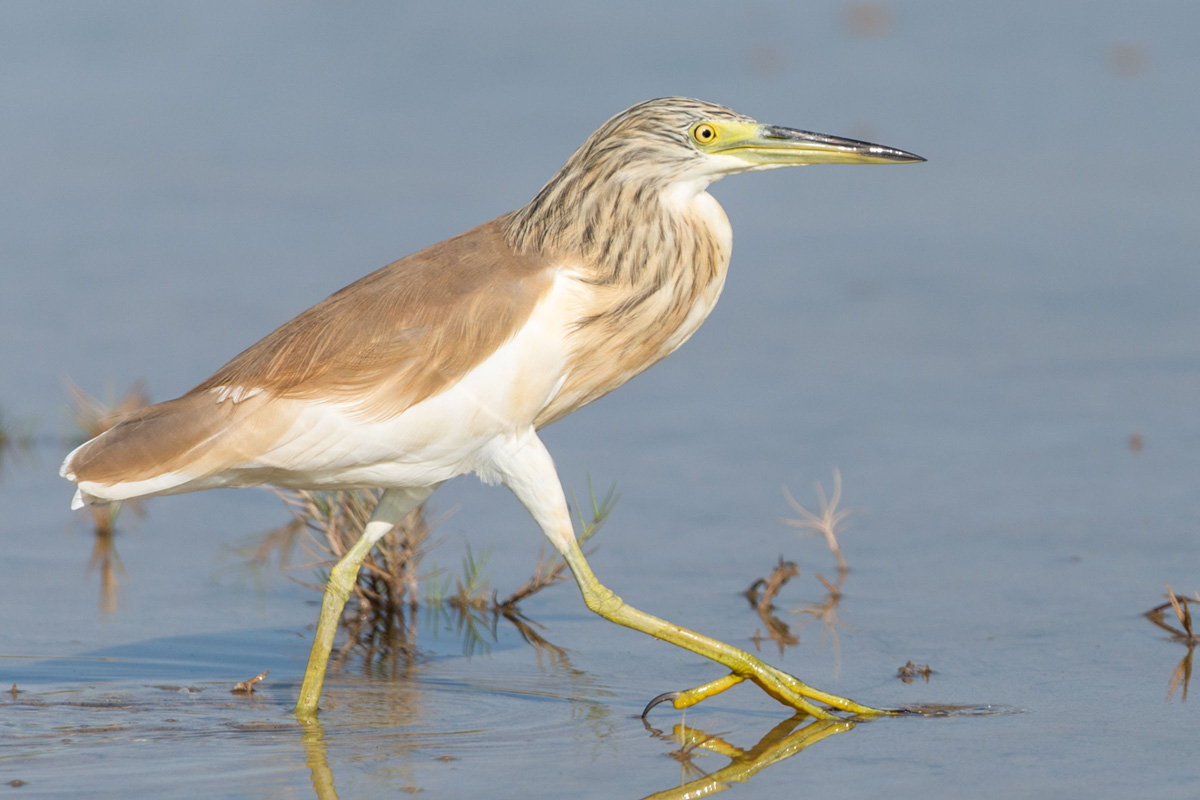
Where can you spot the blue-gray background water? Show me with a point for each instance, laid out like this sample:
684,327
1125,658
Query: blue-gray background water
974,343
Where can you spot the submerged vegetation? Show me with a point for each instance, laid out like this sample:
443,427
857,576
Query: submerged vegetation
827,523
380,616
912,670
777,630
92,417
18,439
1180,606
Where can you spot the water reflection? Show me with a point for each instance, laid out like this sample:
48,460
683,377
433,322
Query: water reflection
104,559
785,740
777,630
1182,675
825,610
403,707
381,647
316,754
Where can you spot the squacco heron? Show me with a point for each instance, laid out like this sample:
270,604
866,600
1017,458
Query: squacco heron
448,361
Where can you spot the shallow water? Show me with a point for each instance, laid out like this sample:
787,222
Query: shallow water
971,341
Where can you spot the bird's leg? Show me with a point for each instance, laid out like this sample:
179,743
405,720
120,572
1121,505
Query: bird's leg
783,687
393,507
529,471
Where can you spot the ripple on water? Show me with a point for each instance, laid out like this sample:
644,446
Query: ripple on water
506,705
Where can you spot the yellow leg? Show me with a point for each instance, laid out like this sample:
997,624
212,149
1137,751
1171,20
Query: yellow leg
337,591
527,469
783,687
393,507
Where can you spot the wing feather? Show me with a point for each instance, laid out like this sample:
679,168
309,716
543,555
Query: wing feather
400,335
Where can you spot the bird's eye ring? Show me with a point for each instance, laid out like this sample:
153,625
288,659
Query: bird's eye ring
704,133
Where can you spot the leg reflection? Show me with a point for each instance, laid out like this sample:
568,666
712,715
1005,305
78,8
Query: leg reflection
780,743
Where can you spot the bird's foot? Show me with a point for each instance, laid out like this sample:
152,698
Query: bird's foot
785,688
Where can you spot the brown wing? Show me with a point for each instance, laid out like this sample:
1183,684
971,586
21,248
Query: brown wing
392,339
401,334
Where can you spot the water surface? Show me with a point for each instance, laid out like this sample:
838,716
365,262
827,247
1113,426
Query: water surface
971,341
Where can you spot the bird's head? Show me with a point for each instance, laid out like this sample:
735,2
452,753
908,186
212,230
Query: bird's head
677,138
672,147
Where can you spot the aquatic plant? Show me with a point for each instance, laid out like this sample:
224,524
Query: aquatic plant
17,439
763,604
380,614
92,417
1180,605
828,523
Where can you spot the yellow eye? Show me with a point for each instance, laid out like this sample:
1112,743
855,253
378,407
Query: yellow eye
704,133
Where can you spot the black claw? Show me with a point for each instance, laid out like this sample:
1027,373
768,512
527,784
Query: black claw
662,698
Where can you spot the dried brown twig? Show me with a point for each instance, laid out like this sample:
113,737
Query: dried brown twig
777,630
1180,606
247,687
781,574
826,523
911,671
